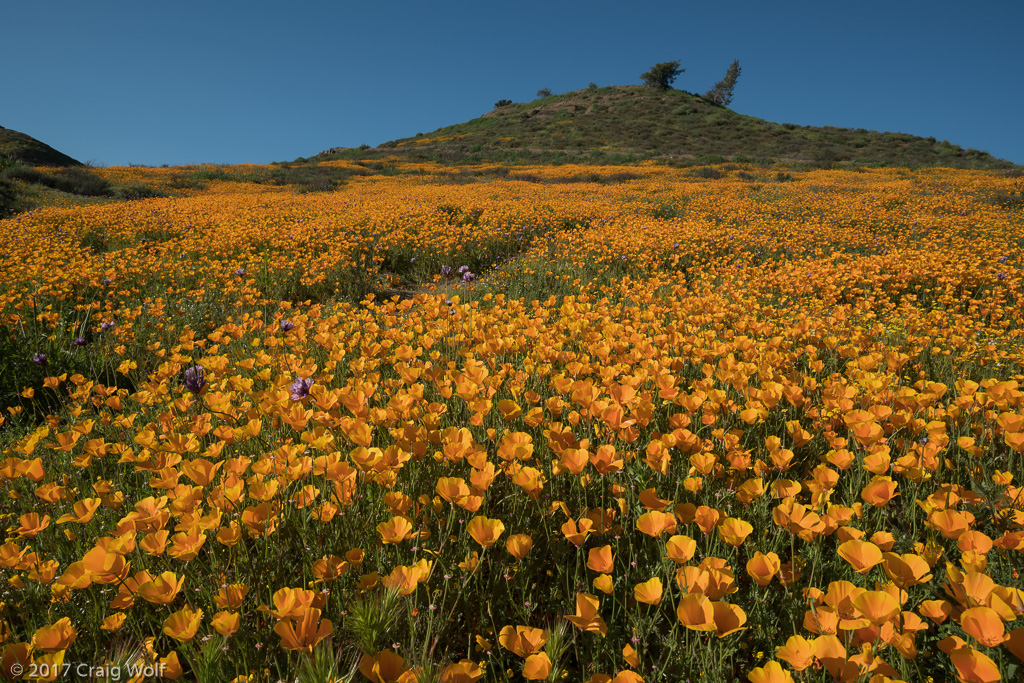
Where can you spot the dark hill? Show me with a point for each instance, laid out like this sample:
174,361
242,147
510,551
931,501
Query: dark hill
628,123
26,149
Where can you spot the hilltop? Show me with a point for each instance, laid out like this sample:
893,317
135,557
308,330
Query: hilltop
18,146
632,123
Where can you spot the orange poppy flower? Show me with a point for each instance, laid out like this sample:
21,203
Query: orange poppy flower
587,617
862,555
625,676
734,531
485,531
798,652
186,546
696,612
226,623
707,518
395,530
576,533
329,568
155,542
291,603
537,667
114,622
974,540
984,625
680,549
573,460
829,650
57,636
972,665
519,545
772,672
649,499
231,597
605,460
464,671
949,523
81,512
656,523
601,559
728,618
879,491
384,667
906,570
162,590
522,640
763,568
183,624
1015,643
648,592
877,607
31,524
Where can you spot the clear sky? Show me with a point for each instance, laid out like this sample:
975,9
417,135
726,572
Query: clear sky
153,82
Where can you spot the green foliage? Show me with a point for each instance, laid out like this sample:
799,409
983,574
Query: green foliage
626,124
25,148
662,75
372,618
137,191
544,92
73,180
502,103
10,200
721,93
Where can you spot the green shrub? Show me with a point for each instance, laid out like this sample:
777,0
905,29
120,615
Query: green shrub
137,191
9,199
707,172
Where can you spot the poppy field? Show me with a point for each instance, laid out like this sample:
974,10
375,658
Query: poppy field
491,423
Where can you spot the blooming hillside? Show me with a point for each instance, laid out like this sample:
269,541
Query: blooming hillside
551,423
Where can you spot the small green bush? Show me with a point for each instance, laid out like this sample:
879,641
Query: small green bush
137,191
707,172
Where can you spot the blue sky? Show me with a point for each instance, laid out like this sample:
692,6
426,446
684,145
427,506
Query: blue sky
229,82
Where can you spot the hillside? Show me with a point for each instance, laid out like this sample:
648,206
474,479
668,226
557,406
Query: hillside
26,149
623,123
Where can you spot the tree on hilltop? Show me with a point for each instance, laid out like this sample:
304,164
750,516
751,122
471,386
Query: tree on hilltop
661,76
721,93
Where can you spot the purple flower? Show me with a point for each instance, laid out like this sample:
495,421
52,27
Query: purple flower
1001,276
446,271
240,272
107,325
300,388
463,269
40,360
468,277
106,282
1004,259
79,341
287,325
195,378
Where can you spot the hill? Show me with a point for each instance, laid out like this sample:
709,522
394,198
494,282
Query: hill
630,123
26,149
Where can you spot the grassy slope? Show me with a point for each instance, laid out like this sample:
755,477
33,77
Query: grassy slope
27,149
625,123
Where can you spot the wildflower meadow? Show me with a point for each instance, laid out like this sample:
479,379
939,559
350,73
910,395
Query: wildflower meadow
496,423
